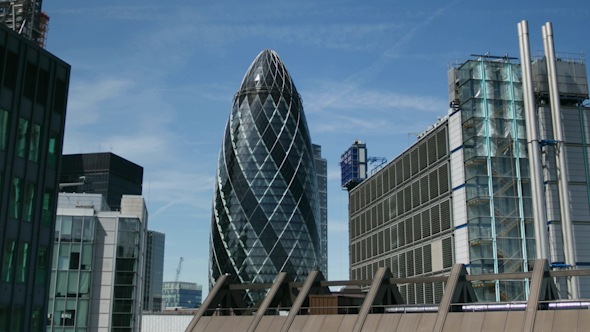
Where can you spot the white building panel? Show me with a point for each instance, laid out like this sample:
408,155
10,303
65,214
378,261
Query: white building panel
462,246
436,254
459,207
455,131
166,322
457,169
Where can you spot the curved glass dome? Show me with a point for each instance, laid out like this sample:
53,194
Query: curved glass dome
265,217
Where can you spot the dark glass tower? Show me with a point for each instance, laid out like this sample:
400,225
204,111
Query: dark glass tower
101,173
266,216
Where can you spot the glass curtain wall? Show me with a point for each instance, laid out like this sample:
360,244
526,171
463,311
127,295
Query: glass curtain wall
499,205
70,274
126,275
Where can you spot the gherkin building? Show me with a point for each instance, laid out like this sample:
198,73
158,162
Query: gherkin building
265,216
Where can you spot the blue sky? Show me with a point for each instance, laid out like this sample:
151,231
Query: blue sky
153,82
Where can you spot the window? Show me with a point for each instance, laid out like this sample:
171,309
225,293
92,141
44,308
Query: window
29,201
52,151
23,263
75,257
41,274
9,260
47,208
3,130
64,257
4,318
34,144
21,140
15,198
37,320
17,318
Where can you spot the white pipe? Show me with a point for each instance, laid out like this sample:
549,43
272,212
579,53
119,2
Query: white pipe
560,161
539,212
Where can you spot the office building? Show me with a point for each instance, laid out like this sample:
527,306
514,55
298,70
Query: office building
154,271
321,167
33,95
97,266
266,215
102,173
463,193
178,294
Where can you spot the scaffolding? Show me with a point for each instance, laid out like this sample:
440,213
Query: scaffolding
26,18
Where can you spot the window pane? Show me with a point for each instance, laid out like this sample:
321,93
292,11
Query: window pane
60,290
77,229
82,313
73,284
86,257
64,257
66,228
41,274
37,320
29,201
3,318
34,145
47,208
23,263
17,318
88,229
21,143
9,261
84,284
3,134
15,198
52,153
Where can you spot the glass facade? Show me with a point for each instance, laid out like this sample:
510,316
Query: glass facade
126,274
497,180
71,269
321,167
266,216
181,294
153,271
33,92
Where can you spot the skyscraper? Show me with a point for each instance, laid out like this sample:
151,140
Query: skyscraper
33,94
153,271
266,216
321,167
102,173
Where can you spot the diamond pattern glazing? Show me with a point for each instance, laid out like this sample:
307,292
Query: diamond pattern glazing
265,216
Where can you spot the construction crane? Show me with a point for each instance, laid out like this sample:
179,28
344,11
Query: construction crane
26,18
178,269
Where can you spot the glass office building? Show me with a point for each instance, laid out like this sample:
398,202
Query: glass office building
97,266
153,271
33,95
179,294
266,216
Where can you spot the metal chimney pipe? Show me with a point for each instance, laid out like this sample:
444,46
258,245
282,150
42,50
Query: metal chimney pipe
539,212
560,161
